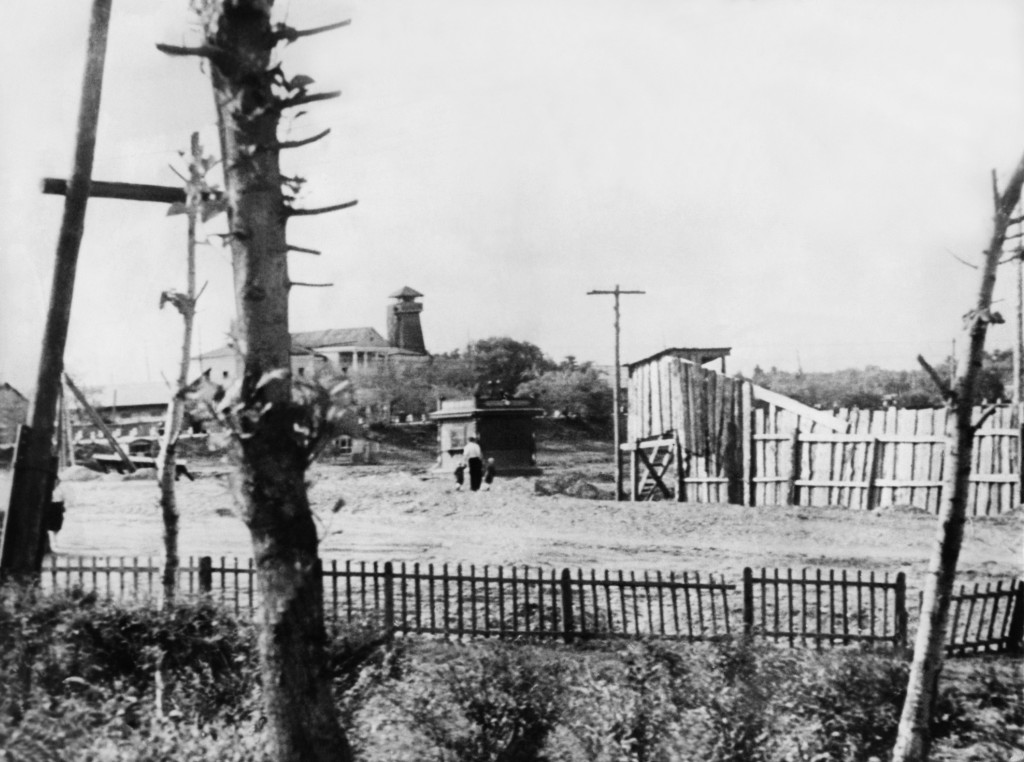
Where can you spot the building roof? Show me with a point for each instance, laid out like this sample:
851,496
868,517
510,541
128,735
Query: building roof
340,337
130,395
698,355
6,386
480,408
405,293
306,342
225,351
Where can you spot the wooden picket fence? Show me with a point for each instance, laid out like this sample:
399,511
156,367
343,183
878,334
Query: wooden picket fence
826,608
987,618
812,608
696,435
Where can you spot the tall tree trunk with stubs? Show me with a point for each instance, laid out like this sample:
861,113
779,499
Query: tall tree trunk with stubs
250,92
914,736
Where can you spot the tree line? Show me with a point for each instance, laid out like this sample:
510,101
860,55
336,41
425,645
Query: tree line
874,388
505,367
494,367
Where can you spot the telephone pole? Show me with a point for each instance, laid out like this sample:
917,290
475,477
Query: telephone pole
616,432
21,542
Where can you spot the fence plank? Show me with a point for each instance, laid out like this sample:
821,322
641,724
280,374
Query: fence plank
792,496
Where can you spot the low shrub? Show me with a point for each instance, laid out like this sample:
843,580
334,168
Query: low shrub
980,715
89,680
495,702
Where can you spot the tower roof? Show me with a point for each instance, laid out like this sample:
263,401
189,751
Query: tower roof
405,293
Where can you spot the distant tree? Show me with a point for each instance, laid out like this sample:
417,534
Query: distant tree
870,388
996,375
501,363
411,388
581,393
450,375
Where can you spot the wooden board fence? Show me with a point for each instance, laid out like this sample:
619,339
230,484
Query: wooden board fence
733,441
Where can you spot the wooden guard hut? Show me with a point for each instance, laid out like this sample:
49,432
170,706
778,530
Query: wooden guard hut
503,428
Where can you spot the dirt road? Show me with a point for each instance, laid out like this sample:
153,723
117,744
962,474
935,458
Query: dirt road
405,514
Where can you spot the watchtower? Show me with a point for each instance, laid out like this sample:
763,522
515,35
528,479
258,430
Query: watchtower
404,329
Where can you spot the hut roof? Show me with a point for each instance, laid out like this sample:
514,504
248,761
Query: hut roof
698,355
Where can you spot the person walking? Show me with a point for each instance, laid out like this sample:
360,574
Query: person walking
473,458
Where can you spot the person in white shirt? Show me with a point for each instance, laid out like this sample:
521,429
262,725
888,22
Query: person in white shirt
473,458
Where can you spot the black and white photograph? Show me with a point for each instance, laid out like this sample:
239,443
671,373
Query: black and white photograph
563,381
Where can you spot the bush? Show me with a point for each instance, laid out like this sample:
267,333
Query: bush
78,680
77,673
980,718
850,705
496,702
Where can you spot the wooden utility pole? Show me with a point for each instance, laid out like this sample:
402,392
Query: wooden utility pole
32,485
616,432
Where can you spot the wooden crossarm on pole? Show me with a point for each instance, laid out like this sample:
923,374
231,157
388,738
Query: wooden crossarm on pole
165,194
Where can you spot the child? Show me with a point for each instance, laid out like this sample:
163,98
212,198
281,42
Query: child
460,471
489,472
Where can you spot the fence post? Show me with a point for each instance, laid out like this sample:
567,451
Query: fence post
680,470
794,468
1020,456
1016,633
567,621
389,600
748,602
205,575
634,472
749,449
874,459
900,618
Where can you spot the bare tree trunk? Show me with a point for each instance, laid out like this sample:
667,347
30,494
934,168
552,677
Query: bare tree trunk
186,304
270,487
913,741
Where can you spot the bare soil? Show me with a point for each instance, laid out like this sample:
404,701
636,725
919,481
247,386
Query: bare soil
401,511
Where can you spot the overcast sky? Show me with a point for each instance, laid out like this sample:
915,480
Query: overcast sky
787,178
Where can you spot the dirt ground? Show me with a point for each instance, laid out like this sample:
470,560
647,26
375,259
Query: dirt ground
400,511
